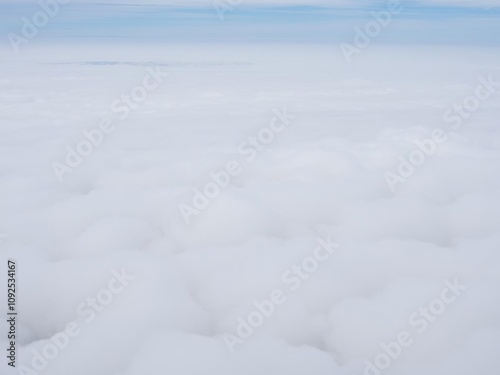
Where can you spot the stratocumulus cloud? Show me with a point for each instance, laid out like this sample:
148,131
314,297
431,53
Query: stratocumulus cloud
249,187
383,296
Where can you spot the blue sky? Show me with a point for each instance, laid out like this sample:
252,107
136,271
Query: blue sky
418,23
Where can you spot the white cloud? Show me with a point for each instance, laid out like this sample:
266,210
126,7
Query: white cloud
323,176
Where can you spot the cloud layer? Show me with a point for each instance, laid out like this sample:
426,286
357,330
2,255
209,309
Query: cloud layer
322,176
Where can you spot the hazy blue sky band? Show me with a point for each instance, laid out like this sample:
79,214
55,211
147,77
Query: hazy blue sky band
256,23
